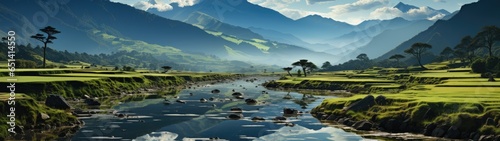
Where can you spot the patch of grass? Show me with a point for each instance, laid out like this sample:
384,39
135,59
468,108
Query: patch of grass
232,39
24,79
448,75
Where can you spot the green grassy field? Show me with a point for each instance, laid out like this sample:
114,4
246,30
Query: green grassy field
453,92
25,79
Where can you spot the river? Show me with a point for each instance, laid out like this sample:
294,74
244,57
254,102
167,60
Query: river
151,119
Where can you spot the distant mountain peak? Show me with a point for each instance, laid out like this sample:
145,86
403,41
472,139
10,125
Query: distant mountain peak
405,7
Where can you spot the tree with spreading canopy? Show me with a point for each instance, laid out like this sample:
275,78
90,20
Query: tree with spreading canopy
487,38
468,46
446,53
417,50
50,31
326,65
288,69
310,66
166,68
397,57
302,63
363,57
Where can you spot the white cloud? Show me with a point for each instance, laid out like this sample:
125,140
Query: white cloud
443,1
276,4
183,3
386,13
158,4
420,13
282,7
357,6
436,17
310,2
161,5
296,14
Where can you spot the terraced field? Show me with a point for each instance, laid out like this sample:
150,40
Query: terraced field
453,97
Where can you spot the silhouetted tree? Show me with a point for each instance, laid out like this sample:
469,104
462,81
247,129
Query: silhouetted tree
460,54
446,53
166,68
363,57
288,69
417,49
50,31
487,37
397,57
302,63
326,65
310,66
469,46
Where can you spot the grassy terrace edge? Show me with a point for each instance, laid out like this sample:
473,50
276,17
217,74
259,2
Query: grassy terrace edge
440,103
33,86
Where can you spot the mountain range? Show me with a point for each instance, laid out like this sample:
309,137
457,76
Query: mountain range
245,14
204,34
101,26
448,32
313,32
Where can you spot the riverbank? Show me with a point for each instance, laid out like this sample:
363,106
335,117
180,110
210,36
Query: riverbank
81,90
452,104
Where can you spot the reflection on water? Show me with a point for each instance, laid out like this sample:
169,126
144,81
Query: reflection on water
151,119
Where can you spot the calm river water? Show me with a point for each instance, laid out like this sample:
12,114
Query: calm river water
151,119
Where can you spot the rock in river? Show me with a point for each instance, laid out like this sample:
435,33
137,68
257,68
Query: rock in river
235,116
257,118
236,110
203,100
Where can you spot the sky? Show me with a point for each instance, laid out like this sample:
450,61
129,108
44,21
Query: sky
350,11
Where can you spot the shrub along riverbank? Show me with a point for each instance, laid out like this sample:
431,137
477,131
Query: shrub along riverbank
34,86
441,103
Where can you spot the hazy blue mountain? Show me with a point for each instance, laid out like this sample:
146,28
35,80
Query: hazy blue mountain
290,39
84,22
101,26
447,33
245,14
364,35
404,7
315,28
390,38
205,21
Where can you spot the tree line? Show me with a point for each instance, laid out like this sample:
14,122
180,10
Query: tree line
477,51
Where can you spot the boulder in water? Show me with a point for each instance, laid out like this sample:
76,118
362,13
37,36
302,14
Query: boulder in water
257,118
215,91
290,111
251,101
181,101
203,100
279,119
236,110
235,116
237,94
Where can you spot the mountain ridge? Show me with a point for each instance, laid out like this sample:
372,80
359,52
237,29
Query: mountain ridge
444,33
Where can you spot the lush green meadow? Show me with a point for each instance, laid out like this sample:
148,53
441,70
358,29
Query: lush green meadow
438,95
